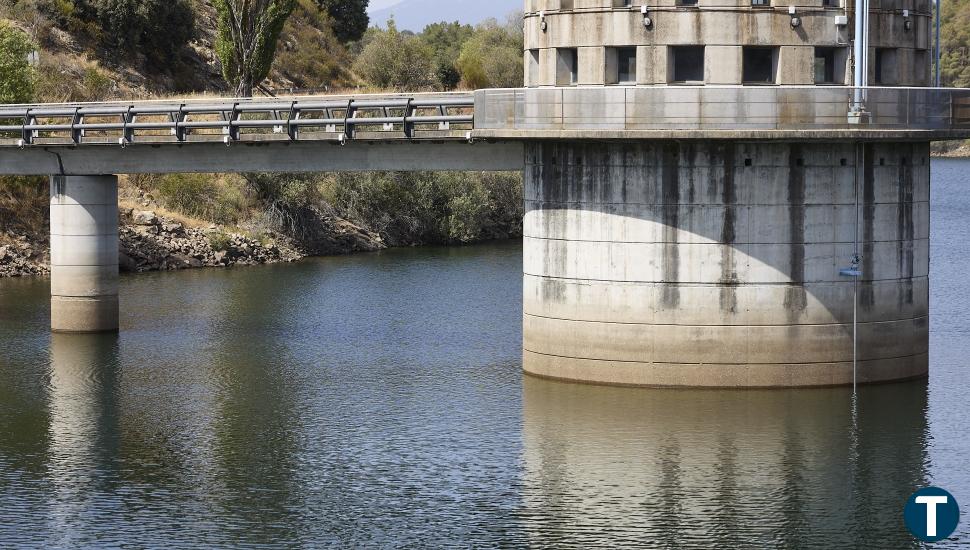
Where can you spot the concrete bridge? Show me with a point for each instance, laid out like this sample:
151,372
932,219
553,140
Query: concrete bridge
674,235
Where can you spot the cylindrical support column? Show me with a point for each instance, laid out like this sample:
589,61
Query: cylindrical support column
84,253
719,263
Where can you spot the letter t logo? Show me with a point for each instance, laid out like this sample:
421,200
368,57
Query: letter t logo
931,502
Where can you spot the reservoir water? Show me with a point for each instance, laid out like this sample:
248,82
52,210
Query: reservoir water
377,400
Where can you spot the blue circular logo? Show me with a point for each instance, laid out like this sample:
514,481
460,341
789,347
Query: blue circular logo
931,514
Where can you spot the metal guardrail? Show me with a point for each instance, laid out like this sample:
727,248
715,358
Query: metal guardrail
435,116
730,108
497,113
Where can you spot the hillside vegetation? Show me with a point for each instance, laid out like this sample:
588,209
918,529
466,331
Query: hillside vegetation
95,50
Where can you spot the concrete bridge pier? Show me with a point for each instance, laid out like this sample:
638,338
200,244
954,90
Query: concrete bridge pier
84,254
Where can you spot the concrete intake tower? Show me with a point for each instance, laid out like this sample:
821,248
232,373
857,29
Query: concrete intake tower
711,250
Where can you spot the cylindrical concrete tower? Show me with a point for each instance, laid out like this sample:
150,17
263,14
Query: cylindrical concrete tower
714,261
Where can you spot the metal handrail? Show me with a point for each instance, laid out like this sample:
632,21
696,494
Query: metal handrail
396,117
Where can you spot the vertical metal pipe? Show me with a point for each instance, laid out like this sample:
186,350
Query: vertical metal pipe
860,158
939,51
858,54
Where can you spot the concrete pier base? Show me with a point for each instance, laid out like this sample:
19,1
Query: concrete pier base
717,263
84,254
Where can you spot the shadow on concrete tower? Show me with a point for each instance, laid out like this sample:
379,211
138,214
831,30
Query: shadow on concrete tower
713,250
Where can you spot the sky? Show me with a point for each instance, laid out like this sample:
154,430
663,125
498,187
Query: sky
415,14
381,4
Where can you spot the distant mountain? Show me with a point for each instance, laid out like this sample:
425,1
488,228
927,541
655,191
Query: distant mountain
376,5
414,15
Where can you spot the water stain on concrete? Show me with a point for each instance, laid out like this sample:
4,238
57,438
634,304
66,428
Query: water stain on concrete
867,295
796,300
906,227
729,233
670,263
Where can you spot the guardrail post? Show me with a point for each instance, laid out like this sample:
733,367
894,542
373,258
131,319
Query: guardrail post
231,127
76,133
127,132
180,131
408,113
443,111
293,129
28,135
349,127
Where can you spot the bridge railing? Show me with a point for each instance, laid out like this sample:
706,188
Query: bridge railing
720,108
421,116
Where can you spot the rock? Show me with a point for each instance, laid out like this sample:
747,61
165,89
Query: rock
126,263
3,253
172,227
145,218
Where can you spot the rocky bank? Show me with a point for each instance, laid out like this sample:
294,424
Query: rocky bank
151,242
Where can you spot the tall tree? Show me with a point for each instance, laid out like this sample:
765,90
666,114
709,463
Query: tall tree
246,41
955,64
446,41
350,18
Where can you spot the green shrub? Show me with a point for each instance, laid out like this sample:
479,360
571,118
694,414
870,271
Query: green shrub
219,241
200,196
492,58
428,207
16,74
393,59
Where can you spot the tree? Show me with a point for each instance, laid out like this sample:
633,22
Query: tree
955,62
246,40
159,28
446,41
392,59
16,74
492,58
168,26
350,18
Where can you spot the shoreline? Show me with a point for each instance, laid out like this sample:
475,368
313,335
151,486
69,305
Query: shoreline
150,242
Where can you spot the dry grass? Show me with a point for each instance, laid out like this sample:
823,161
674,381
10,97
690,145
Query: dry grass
24,206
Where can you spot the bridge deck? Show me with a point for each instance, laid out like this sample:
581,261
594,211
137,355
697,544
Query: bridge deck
435,131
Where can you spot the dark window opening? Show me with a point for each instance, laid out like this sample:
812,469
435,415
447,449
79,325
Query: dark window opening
748,162
830,3
761,3
686,2
885,66
626,65
758,66
567,70
687,63
565,4
622,3
825,65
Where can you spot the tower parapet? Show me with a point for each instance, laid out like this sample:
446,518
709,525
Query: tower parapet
720,42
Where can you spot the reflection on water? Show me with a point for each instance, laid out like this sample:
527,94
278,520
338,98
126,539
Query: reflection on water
378,400
721,469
